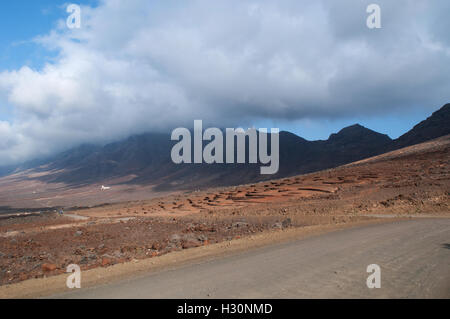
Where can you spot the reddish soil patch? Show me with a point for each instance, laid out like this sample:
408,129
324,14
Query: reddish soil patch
415,181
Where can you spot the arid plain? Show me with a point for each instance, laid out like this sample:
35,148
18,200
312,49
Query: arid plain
410,182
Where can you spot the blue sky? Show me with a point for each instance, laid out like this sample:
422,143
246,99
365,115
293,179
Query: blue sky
311,67
20,22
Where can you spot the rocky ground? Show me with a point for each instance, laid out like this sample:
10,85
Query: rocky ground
414,181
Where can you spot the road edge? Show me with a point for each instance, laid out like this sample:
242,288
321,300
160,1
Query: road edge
48,286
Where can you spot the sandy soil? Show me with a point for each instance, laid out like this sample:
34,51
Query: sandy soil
410,182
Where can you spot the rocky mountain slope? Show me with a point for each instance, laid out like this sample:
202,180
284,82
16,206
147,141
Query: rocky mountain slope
147,159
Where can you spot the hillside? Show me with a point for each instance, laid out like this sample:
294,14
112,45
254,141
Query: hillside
411,182
145,159
438,124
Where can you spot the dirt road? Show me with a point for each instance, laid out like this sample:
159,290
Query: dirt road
414,257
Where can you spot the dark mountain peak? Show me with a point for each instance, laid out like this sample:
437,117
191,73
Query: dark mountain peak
437,125
443,114
288,136
444,109
357,132
353,129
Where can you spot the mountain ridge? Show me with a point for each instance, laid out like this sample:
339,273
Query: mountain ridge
147,156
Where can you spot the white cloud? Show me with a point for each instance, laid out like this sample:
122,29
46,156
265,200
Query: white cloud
138,66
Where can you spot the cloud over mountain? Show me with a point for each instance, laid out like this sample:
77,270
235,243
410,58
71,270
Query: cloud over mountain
138,66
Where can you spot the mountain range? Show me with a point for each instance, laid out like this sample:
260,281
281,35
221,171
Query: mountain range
146,158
